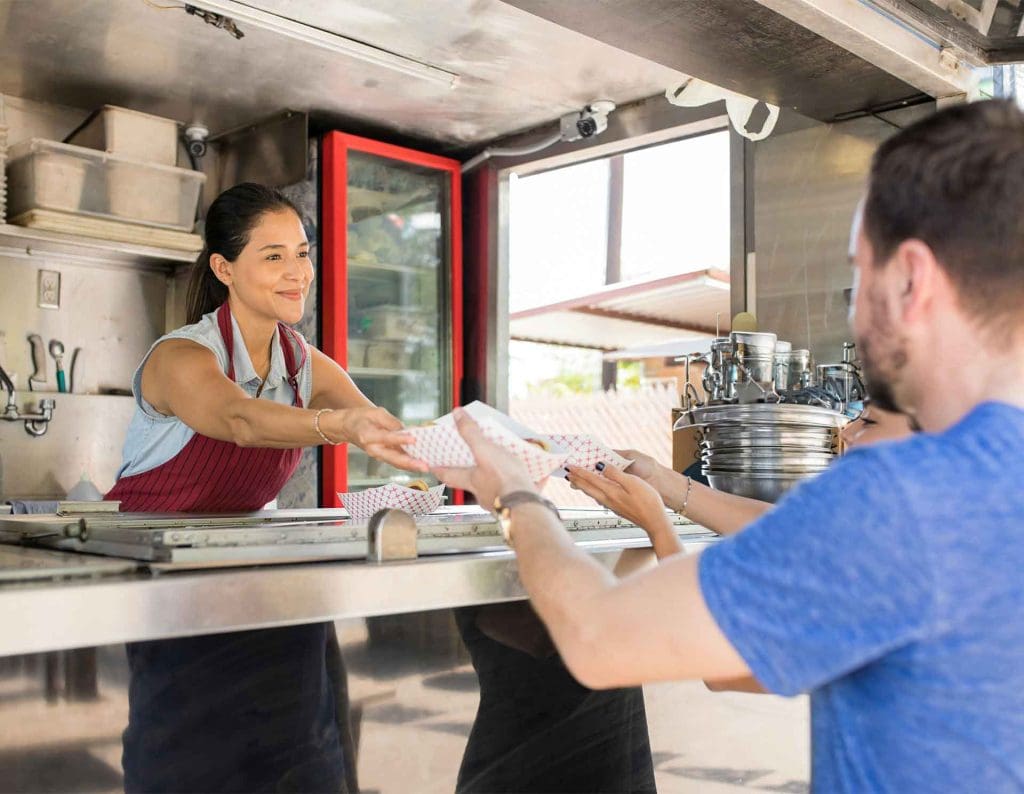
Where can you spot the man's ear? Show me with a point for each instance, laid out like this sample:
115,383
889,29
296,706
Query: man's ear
918,278
221,268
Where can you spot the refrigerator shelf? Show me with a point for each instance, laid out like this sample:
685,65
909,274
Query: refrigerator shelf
375,372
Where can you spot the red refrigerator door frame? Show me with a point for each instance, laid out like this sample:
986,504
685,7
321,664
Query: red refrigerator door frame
334,270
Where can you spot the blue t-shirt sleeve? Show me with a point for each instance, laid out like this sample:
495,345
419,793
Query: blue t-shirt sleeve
834,577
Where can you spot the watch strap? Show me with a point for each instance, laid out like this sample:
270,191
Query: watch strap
503,508
510,500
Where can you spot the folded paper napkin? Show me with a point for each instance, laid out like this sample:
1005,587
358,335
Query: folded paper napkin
441,445
586,451
363,504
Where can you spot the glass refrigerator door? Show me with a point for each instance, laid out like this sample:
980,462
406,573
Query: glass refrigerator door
400,295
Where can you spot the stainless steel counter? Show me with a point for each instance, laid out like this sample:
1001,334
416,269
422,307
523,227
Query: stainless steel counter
153,603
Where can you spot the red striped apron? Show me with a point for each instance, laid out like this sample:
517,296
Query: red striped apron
212,476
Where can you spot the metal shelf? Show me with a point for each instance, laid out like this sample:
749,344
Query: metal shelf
23,241
362,269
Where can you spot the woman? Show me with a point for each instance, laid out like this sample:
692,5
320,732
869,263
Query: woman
224,407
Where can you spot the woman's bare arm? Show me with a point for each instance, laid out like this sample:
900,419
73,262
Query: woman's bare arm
183,379
720,512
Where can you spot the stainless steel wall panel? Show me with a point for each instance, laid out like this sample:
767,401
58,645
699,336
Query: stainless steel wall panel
113,314
807,183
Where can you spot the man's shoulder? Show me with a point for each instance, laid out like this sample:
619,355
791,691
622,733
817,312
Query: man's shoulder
918,473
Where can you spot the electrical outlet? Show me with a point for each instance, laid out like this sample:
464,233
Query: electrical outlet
49,289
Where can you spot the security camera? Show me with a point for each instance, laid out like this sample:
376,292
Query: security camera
591,120
195,139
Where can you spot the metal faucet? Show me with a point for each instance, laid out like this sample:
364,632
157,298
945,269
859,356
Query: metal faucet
36,424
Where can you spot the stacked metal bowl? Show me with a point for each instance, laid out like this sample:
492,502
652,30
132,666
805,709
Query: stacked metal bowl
760,450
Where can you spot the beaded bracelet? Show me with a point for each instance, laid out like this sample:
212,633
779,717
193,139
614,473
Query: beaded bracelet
686,499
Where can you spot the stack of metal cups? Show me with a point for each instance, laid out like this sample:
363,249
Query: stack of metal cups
761,450
756,438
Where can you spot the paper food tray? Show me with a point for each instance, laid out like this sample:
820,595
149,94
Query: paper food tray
363,504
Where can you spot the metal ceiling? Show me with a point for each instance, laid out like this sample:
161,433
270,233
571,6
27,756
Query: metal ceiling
989,30
738,44
516,71
520,63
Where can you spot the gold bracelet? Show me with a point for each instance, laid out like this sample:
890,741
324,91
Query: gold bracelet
316,426
686,499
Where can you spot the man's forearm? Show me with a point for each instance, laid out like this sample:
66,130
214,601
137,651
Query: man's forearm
665,541
561,580
605,629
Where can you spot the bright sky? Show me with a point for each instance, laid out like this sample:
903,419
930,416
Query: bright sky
675,220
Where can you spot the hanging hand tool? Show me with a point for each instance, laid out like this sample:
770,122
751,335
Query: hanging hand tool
73,374
57,351
38,376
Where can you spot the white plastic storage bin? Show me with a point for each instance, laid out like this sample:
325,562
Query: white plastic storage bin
384,354
57,176
356,352
395,322
130,134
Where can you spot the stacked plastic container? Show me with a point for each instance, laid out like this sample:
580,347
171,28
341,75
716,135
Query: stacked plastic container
119,166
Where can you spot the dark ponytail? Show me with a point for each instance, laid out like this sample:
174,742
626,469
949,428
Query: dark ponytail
229,222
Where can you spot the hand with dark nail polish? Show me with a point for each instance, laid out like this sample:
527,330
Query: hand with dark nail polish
599,466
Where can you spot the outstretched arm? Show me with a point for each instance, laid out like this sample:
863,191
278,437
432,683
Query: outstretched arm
605,629
184,379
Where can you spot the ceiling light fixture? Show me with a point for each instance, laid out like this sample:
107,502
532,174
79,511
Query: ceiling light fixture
307,34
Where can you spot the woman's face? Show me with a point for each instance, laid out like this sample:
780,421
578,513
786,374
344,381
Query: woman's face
874,425
272,275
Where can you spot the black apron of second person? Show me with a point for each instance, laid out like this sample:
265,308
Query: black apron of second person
537,729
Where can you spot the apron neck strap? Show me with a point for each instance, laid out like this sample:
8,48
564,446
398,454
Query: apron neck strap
227,333
289,343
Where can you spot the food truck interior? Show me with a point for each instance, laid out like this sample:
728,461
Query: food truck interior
363,111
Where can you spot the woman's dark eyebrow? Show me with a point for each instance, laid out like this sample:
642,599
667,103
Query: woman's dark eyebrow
281,245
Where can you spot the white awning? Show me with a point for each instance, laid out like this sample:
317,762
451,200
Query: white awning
685,306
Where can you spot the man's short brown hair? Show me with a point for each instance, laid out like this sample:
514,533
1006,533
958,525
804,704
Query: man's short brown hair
955,181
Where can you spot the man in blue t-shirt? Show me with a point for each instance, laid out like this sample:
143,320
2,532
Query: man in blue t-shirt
891,586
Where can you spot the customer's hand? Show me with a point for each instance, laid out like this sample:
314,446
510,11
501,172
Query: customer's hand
497,471
376,432
625,494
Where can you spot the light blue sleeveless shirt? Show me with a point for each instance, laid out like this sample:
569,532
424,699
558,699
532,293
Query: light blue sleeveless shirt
153,439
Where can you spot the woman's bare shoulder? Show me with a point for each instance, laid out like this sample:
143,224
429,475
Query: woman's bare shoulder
178,352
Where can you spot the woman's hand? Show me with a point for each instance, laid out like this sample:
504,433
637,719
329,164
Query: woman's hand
376,432
644,466
497,471
626,494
